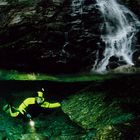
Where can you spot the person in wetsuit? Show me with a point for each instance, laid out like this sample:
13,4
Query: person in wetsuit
21,109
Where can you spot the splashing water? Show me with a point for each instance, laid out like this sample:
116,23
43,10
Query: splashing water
119,27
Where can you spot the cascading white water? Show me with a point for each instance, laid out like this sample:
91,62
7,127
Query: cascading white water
119,27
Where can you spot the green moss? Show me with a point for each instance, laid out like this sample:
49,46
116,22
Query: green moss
91,111
14,75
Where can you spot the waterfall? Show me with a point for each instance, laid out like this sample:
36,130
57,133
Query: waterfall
118,31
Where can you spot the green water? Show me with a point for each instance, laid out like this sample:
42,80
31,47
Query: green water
14,75
105,108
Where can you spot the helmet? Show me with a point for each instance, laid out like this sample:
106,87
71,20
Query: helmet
40,94
40,98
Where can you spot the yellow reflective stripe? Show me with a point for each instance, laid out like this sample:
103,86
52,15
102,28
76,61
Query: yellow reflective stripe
25,104
45,105
15,114
22,108
29,101
54,105
50,105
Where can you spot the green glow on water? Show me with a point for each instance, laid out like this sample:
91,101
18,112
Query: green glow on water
14,75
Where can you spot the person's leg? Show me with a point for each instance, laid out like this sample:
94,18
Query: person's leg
6,107
12,111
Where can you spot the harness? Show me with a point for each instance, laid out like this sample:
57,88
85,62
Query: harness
40,102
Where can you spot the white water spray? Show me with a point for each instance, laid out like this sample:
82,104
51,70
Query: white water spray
120,27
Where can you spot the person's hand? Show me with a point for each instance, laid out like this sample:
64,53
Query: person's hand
62,103
22,111
28,116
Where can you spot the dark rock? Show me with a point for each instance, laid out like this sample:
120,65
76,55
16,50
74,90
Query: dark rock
136,58
126,69
90,111
133,5
33,36
118,132
113,63
48,36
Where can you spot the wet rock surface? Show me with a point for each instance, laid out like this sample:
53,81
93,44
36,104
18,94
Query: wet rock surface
53,36
46,35
134,6
109,114
126,69
95,113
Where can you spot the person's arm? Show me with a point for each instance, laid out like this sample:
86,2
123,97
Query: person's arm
50,105
25,104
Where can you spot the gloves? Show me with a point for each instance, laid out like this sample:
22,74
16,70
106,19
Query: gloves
28,116
62,103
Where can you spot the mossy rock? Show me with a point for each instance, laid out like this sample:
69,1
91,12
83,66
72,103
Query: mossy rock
91,111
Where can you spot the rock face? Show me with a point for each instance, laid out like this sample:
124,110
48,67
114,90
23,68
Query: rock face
91,112
103,118
126,69
47,36
134,6
53,36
